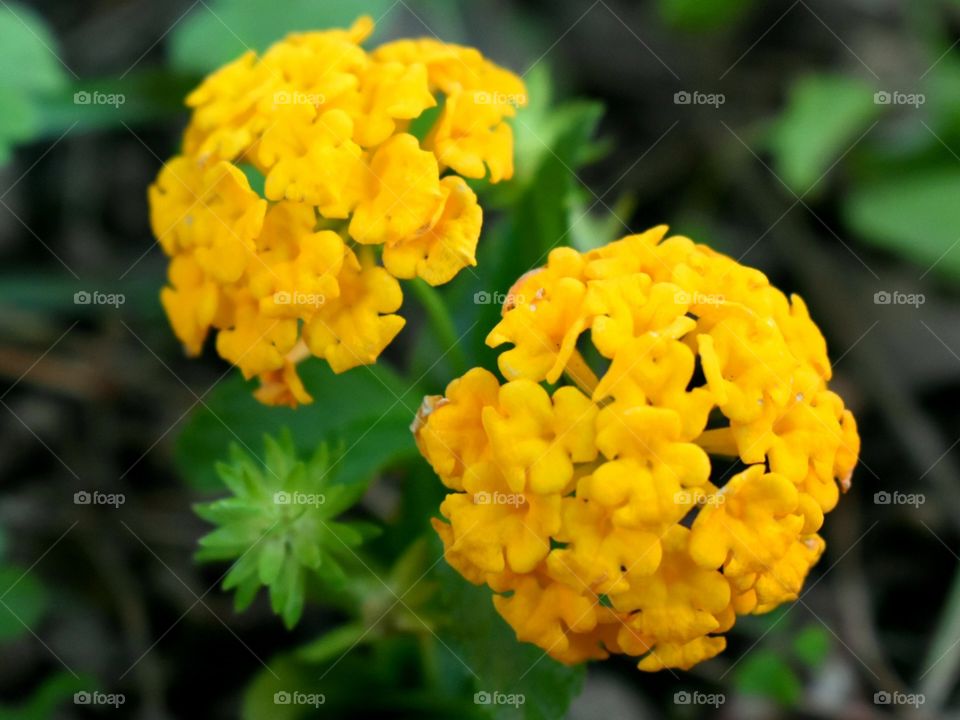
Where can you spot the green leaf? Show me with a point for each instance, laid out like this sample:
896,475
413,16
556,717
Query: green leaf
25,602
765,673
488,647
812,645
29,70
279,455
540,216
702,14
17,121
285,675
218,32
271,560
595,228
28,51
372,398
89,104
825,115
278,526
52,694
335,642
915,215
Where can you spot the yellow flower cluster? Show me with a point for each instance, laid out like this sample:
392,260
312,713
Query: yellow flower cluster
593,509
351,199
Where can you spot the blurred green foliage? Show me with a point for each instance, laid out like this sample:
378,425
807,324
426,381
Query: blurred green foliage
702,14
29,71
24,601
915,214
47,699
823,116
369,405
222,30
780,654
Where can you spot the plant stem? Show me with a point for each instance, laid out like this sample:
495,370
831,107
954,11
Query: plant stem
581,373
442,323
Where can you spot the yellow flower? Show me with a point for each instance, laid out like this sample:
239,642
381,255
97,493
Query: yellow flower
325,127
544,320
470,136
355,328
450,429
449,245
191,302
209,210
403,196
536,439
584,490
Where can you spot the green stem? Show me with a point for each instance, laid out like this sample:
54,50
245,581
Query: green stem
336,642
442,323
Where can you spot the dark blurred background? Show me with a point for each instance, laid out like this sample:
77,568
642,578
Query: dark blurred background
816,140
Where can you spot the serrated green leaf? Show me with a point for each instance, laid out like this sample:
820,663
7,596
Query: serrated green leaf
279,454
276,536
272,555
331,573
228,511
242,570
345,534
824,116
290,587
236,537
306,551
245,594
